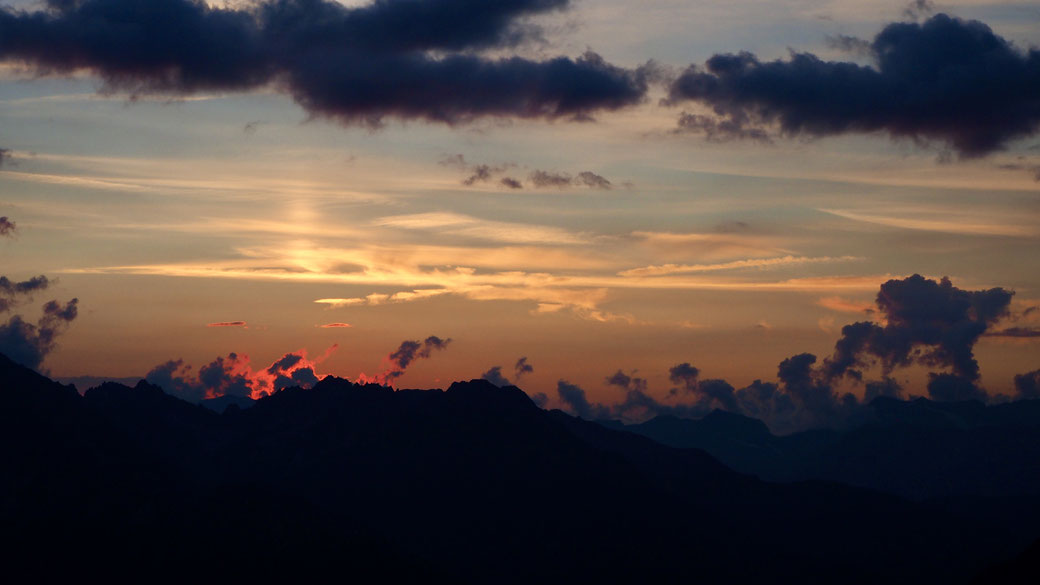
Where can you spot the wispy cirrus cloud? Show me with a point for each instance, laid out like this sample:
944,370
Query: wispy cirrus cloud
666,269
456,224
927,220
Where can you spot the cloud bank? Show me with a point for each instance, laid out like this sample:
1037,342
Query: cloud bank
945,80
926,322
405,59
233,375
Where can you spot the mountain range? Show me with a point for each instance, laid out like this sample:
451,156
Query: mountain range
472,484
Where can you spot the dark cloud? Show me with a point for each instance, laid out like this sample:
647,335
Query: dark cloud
225,377
494,375
232,375
718,394
929,323
5,157
540,399
639,404
887,387
686,376
522,368
816,403
227,324
1022,332
481,173
10,291
592,180
951,387
291,370
1032,169
919,9
945,80
1028,384
573,399
404,355
24,342
404,59
29,344
410,351
172,376
850,44
542,179
767,402
737,126
285,363
8,228
932,323
484,173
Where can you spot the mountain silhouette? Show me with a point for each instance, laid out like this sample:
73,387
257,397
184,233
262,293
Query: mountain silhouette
473,484
920,449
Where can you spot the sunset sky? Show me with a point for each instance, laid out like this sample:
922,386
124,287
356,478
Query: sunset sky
546,179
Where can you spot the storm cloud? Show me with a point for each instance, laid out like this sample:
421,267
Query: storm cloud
931,323
945,80
404,59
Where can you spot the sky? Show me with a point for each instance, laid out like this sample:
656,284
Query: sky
597,186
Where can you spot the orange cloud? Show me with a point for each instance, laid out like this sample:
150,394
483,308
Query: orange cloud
335,325
228,324
845,305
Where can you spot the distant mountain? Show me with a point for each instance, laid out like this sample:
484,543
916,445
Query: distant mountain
221,403
919,449
471,484
82,383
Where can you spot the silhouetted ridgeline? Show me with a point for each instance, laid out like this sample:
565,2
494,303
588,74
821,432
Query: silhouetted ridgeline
919,449
472,484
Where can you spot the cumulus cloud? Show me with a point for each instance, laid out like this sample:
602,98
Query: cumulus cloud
522,368
13,292
233,375
550,179
539,179
931,323
28,344
945,80
358,65
408,352
926,322
494,375
573,399
22,341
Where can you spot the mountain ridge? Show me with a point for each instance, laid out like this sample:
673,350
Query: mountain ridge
474,484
